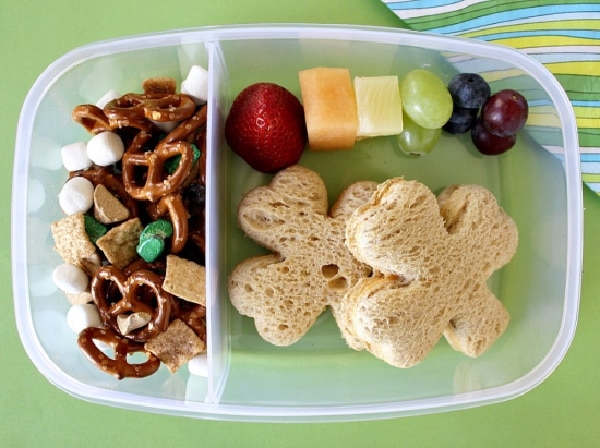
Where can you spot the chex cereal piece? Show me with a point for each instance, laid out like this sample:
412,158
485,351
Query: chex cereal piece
118,244
160,85
79,298
73,244
175,346
185,279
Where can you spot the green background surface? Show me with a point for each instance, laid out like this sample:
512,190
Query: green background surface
562,411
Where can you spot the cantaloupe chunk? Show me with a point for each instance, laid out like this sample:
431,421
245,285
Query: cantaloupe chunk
329,108
379,106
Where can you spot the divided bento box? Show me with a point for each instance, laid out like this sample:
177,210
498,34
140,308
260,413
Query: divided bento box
318,378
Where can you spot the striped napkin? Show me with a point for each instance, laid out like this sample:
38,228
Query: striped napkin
562,35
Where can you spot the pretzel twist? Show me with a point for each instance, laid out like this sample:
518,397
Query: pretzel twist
92,118
119,366
172,205
95,121
159,107
157,182
186,130
131,298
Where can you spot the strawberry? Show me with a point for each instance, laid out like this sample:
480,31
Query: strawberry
266,128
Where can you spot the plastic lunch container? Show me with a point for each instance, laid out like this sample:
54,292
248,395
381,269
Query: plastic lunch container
319,378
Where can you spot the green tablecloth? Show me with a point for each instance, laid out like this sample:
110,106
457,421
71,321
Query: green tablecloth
562,411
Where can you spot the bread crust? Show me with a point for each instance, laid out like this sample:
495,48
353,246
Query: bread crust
309,268
435,256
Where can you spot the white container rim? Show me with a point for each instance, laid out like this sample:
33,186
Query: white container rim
225,411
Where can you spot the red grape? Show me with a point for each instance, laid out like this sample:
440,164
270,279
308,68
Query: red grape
505,113
488,143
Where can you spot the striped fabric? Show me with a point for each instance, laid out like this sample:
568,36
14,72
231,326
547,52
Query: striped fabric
562,35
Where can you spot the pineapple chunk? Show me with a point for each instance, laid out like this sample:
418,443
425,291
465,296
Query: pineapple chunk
329,108
379,106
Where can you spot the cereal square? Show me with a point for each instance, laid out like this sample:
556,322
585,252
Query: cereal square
73,244
118,244
176,346
185,279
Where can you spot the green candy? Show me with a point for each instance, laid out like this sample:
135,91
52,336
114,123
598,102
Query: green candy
172,163
93,228
150,249
160,229
152,239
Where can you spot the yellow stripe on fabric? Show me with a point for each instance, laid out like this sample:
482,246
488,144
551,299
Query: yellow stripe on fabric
587,112
588,68
537,117
544,41
590,177
500,75
526,27
587,123
540,119
591,68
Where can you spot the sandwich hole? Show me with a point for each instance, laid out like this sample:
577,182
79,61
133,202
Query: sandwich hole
339,283
329,270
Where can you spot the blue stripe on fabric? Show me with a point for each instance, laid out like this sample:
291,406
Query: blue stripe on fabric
590,167
595,187
419,4
565,17
549,58
515,14
538,103
587,158
583,103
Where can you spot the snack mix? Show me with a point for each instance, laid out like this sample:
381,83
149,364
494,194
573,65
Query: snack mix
132,239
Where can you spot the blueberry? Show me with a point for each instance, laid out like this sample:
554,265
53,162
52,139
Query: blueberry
461,121
195,197
469,90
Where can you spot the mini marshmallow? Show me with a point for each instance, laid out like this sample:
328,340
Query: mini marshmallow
76,196
198,365
82,316
196,84
165,126
69,278
74,157
105,148
106,98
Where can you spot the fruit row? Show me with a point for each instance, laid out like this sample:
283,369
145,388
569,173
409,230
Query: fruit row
269,127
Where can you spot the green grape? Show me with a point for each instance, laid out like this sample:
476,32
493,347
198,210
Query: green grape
415,139
426,99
